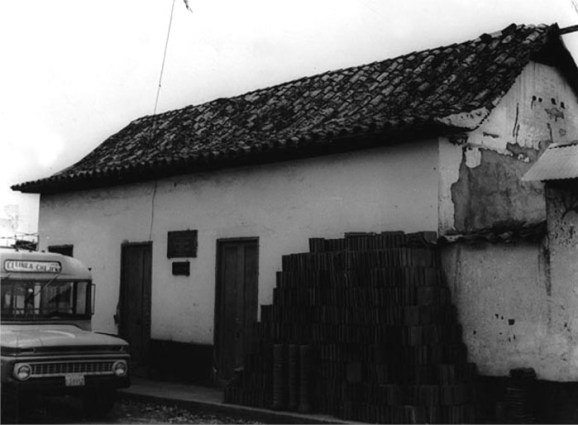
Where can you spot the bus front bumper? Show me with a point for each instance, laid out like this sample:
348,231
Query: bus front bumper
58,385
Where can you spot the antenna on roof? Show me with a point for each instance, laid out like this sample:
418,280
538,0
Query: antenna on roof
165,57
569,29
165,51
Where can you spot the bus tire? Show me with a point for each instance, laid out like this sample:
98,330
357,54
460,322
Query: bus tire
98,403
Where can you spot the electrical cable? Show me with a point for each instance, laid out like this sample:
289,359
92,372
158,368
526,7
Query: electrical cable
152,132
164,58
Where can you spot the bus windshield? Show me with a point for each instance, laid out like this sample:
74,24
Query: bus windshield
45,300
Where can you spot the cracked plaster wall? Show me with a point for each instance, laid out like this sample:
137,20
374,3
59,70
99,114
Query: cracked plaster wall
518,302
480,183
500,293
562,280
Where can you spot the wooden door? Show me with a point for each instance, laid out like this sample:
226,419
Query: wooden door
236,302
135,301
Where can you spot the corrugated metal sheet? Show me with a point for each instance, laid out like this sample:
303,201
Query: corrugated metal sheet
559,161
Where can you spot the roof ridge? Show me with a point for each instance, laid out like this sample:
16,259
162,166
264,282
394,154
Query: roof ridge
426,92
494,34
405,55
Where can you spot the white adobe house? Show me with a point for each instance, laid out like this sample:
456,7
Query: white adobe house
184,216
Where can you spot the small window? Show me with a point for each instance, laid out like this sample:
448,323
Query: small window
181,268
62,249
182,244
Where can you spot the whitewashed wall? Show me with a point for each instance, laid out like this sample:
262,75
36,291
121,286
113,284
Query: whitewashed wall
480,173
501,294
515,309
562,282
284,204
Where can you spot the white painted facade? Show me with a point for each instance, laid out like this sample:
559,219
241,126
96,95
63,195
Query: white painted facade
284,204
411,187
500,291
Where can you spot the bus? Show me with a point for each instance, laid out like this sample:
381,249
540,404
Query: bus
47,344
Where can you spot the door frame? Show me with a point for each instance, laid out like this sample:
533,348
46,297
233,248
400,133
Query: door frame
122,289
218,291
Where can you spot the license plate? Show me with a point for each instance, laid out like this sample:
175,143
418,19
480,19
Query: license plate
74,380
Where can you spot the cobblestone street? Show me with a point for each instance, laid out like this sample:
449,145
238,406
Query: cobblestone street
66,410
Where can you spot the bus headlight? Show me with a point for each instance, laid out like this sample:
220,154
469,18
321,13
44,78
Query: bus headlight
22,371
120,368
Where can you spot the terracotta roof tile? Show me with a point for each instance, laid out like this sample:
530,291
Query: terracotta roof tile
313,114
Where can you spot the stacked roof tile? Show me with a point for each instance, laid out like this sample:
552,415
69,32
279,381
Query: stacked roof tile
393,99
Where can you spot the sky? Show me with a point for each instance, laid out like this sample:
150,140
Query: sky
74,72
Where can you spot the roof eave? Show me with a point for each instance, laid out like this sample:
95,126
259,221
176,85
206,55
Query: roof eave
306,147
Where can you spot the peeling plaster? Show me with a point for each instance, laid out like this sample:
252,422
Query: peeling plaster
473,157
458,139
540,108
544,260
489,191
450,155
554,113
516,129
518,303
563,216
466,120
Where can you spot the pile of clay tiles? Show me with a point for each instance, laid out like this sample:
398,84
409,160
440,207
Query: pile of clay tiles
518,398
361,328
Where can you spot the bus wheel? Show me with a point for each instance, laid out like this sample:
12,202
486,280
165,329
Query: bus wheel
98,403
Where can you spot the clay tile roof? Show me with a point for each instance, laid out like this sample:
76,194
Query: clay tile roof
395,99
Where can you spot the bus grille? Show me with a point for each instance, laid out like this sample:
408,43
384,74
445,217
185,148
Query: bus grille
45,370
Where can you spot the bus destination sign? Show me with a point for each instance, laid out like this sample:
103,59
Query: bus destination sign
32,266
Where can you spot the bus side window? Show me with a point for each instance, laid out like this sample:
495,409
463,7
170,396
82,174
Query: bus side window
6,298
19,302
81,296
